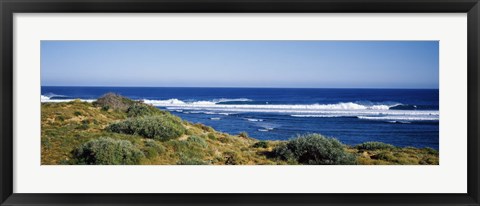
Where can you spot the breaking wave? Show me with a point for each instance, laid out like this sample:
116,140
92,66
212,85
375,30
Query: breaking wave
177,102
214,104
51,97
365,110
401,118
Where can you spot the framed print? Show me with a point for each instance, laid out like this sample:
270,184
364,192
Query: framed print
239,102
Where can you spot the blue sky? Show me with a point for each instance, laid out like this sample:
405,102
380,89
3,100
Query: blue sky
296,64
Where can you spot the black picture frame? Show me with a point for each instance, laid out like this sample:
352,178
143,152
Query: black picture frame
9,7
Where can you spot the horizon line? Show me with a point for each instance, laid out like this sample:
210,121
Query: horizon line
240,87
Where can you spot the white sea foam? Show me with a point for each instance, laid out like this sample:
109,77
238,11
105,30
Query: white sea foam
399,122
401,118
315,115
48,98
214,104
215,118
365,110
392,117
225,113
43,99
232,100
177,102
254,120
50,95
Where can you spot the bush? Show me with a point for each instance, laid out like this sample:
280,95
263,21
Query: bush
225,139
61,118
203,127
429,161
186,160
374,146
160,127
77,113
190,151
105,108
113,101
431,151
261,144
85,124
314,149
211,136
201,142
140,109
386,156
243,134
152,148
232,158
108,151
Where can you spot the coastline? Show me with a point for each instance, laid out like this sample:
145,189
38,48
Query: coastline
66,126
400,117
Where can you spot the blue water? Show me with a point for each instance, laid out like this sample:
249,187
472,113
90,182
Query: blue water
402,117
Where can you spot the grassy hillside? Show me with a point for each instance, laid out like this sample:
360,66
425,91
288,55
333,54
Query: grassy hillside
117,130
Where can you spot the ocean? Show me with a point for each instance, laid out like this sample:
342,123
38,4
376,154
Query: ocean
402,117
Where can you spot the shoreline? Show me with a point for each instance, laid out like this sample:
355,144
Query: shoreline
206,139
221,113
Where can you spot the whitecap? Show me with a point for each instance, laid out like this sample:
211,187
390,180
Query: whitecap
65,100
400,118
225,113
315,115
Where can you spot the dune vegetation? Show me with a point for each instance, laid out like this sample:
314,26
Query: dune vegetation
115,130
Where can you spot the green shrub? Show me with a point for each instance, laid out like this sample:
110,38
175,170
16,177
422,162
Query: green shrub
113,101
201,142
314,149
105,108
211,136
231,158
189,152
374,146
243,134
152,148
431,151
261,144
77,113
386,156
61,118
203,127
108,151
75,101
159,127
186,160
140,109
225,139
283,152
429,161
85,124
